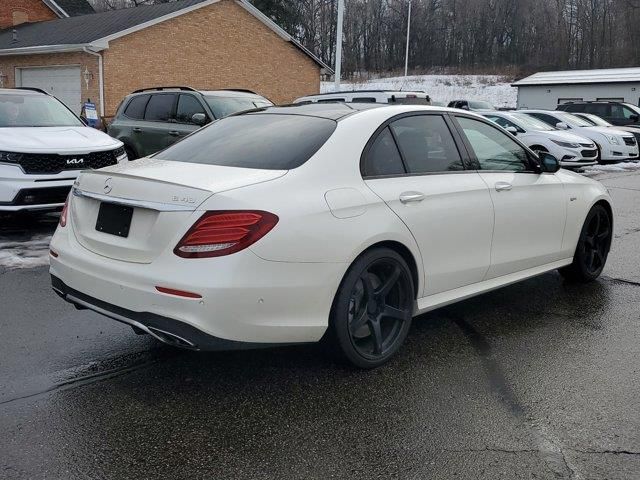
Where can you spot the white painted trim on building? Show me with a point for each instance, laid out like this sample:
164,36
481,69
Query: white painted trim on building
100,78
57,9
41,49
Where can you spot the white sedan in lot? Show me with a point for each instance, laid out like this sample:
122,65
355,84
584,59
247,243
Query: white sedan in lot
290,224
613,145
572,151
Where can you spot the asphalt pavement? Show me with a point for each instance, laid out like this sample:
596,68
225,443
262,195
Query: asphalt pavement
537,380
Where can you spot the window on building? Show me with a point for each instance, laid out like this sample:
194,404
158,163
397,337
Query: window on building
19,16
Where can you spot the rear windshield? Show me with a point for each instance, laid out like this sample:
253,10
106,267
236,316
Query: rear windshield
266,141
410,100
223,106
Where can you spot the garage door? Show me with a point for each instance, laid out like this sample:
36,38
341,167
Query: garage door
62,82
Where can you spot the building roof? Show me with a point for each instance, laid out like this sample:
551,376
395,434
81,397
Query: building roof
94,31
608,75
72,8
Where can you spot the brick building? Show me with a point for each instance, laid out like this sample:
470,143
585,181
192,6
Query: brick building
15,12
205,44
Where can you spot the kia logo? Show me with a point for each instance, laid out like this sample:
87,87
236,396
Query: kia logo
107,186
75,161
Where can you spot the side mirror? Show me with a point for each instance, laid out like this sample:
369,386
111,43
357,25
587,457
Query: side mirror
199,118
562,126
549,163
512,130
634,118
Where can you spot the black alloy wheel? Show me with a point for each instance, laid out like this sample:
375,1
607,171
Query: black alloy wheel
373,309
593,247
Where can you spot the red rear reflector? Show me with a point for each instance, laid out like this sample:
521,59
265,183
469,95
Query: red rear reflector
178,293
219,233
65,210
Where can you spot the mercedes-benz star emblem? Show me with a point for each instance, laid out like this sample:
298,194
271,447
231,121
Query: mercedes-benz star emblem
107,186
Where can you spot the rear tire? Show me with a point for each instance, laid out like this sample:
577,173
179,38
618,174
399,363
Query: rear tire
593,247
372,311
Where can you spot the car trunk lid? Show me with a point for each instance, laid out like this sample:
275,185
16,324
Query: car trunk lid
134,212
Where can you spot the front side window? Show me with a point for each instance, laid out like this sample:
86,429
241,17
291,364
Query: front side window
383,157
494,149
426,144
622,111
160,107
35,111
264,141
188,106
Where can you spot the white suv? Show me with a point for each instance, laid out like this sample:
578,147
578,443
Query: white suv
392,97
43,148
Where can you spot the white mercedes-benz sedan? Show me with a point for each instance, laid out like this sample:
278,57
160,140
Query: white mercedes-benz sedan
325,221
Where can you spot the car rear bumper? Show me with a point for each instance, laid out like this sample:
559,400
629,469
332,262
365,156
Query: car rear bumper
167,330
243,297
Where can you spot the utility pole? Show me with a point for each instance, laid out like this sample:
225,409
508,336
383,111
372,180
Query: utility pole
338,68
406,54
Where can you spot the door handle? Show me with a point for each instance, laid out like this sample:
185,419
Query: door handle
503,186
174,133
411,197
137,129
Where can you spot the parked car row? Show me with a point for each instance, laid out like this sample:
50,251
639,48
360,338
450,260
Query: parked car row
45,146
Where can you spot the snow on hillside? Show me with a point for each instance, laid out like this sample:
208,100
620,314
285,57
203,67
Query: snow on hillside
443,88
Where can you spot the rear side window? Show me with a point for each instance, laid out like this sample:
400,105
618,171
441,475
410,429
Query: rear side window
383,157
331,100
188,106
136,106
426,144
410,100
600,109
265,141
160,107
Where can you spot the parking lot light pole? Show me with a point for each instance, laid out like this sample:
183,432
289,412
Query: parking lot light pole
339,45
406,53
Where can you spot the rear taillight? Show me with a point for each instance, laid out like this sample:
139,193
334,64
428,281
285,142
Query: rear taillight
221,233
63,215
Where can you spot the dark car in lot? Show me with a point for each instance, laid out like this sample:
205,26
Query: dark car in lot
616,113
149,120
471,105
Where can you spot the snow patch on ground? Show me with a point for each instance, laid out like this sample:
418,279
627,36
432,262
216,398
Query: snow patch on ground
28,254
443,88
614,167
